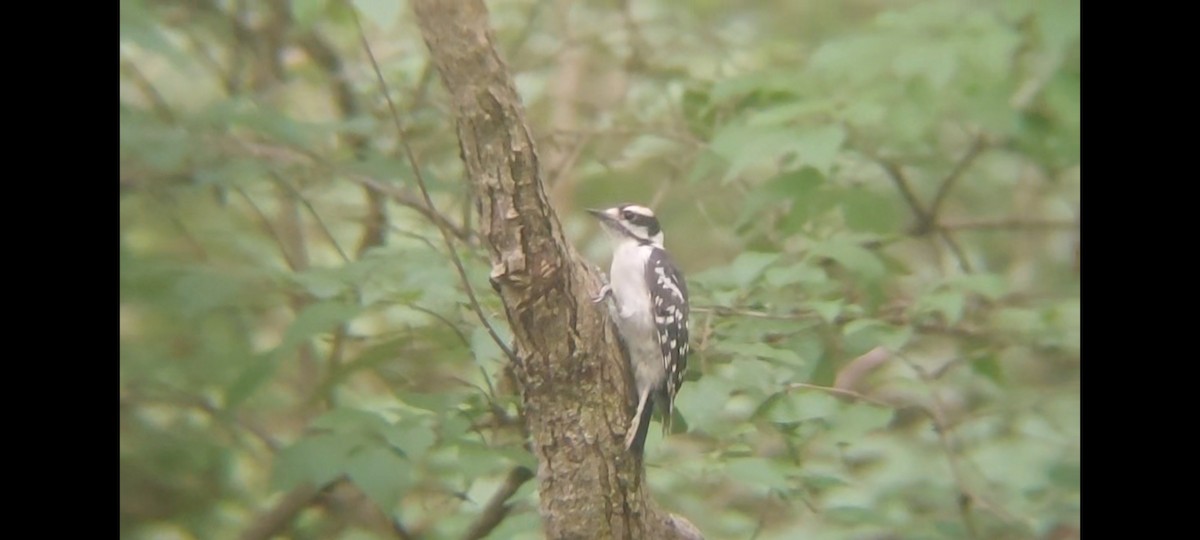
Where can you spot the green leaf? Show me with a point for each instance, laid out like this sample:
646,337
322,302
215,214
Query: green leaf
314,319
947,303
755,376
852,515
413,436
1059,23
989,366
851,256
853,422
868,211
476,460
139,26
145,141
865,334
306,12
822,479
801,405
936,62
798,189
762,350
790,112
487,353
204,290
761,472
381,12
439,403
519,526
749,266
744,147
321,283
1021,321
380,473
311,321
1065,475
819,146
703,401
252,377
317,460
989,286
827,310
516,455
347,420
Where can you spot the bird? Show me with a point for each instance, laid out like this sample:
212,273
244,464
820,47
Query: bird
650,309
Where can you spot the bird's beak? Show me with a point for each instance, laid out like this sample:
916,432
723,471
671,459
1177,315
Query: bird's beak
601,215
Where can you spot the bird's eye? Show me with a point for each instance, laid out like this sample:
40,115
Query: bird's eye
627,215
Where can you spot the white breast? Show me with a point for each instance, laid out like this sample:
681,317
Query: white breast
628,275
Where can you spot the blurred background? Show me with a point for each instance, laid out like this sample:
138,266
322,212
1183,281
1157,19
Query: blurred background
876,204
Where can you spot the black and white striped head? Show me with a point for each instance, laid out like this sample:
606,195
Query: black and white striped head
630,222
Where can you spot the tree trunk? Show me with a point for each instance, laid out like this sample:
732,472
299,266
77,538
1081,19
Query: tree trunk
572,375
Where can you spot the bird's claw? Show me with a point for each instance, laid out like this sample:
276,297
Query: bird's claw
605,292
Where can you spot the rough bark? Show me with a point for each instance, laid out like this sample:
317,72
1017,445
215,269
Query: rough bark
573,378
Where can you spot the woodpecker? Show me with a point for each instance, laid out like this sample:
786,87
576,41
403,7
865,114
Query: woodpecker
650,311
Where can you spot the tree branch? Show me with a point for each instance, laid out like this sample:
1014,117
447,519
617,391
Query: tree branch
265,224
408,200
1008,224
574,383
416,169
897,175
273,521
967,496
157,103
977,146
496,510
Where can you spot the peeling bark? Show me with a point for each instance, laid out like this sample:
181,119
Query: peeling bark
573,378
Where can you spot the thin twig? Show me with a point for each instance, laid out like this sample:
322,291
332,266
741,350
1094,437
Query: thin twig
491,391
412,162
266,225
727,311
407,200
324,55
963,263
637,43
172,214
567,163
1008,224
207,60
157,103
706,331
842,392
496,509
421,90
401,531
976,148
243,43
893,171
313,212
449,324
300,156
634,130
527,30
273,521
801,315
180,398
967,496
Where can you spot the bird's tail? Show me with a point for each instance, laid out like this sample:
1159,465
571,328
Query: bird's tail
635,436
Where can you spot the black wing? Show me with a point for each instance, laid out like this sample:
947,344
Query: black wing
669,298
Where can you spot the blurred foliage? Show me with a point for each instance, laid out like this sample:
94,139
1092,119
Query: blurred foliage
833,176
